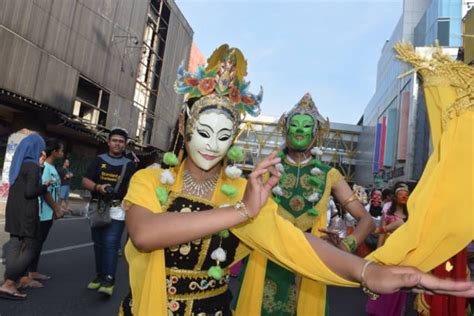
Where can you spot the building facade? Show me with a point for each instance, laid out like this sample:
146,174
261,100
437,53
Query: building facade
74,69
395,142
468,39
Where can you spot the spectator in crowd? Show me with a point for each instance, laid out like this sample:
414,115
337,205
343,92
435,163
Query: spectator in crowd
50,204
100,179
374,207
387,196
66,176
22,221
394,214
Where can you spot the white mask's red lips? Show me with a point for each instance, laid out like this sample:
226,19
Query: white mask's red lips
208,157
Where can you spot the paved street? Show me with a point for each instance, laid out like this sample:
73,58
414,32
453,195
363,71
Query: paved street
68,258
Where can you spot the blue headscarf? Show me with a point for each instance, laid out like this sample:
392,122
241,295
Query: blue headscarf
29,150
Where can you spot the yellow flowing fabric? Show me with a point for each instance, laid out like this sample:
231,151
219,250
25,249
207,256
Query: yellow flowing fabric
441,208
311,294
268,233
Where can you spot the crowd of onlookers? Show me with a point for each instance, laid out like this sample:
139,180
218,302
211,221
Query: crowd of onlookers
39,195
34,202
388,208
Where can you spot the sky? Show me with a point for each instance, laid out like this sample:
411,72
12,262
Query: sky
327,48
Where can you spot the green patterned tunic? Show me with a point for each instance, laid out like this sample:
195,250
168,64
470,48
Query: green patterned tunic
301,191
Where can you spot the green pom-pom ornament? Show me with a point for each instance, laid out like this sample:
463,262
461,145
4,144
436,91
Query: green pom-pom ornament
170,159
313,211
215,272
281,155
162,195
320,165
229,190
315,181
317,163
224,233
235,154
277,200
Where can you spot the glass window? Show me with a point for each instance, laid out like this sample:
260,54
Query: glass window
443,31
149,68
91,103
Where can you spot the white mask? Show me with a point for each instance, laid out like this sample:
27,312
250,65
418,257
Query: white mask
210,140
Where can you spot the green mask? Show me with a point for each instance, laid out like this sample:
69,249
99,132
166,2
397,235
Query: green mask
300,131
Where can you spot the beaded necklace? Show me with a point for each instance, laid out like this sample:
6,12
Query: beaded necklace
198,188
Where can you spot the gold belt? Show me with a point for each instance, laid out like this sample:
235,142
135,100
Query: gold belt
191,284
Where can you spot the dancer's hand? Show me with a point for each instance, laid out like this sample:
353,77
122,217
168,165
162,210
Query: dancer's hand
257,190
390,279
333,238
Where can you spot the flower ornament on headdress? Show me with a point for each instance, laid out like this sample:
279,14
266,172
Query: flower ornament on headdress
223,76
220,84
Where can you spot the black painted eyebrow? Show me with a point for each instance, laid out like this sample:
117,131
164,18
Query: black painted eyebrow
205,125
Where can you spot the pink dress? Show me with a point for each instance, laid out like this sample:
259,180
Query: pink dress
387,304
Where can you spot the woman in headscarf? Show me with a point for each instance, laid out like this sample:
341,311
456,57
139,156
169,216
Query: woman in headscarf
22,213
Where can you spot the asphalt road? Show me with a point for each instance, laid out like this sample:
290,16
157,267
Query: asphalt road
68,258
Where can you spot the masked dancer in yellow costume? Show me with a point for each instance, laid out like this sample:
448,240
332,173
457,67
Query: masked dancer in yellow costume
302,195
188,224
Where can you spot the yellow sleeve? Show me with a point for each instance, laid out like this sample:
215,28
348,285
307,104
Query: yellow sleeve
334,176
285,244
146,269
141,190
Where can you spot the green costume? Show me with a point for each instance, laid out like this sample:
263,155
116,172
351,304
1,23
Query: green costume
301,192
302,195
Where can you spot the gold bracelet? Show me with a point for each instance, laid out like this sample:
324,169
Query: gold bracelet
350,199
372,295
242,209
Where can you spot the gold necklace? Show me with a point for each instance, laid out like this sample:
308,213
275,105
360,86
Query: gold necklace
201,188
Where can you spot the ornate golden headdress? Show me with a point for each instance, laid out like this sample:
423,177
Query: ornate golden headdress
306,106
221,84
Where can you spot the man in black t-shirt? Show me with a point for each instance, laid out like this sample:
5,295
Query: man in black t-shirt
100,179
